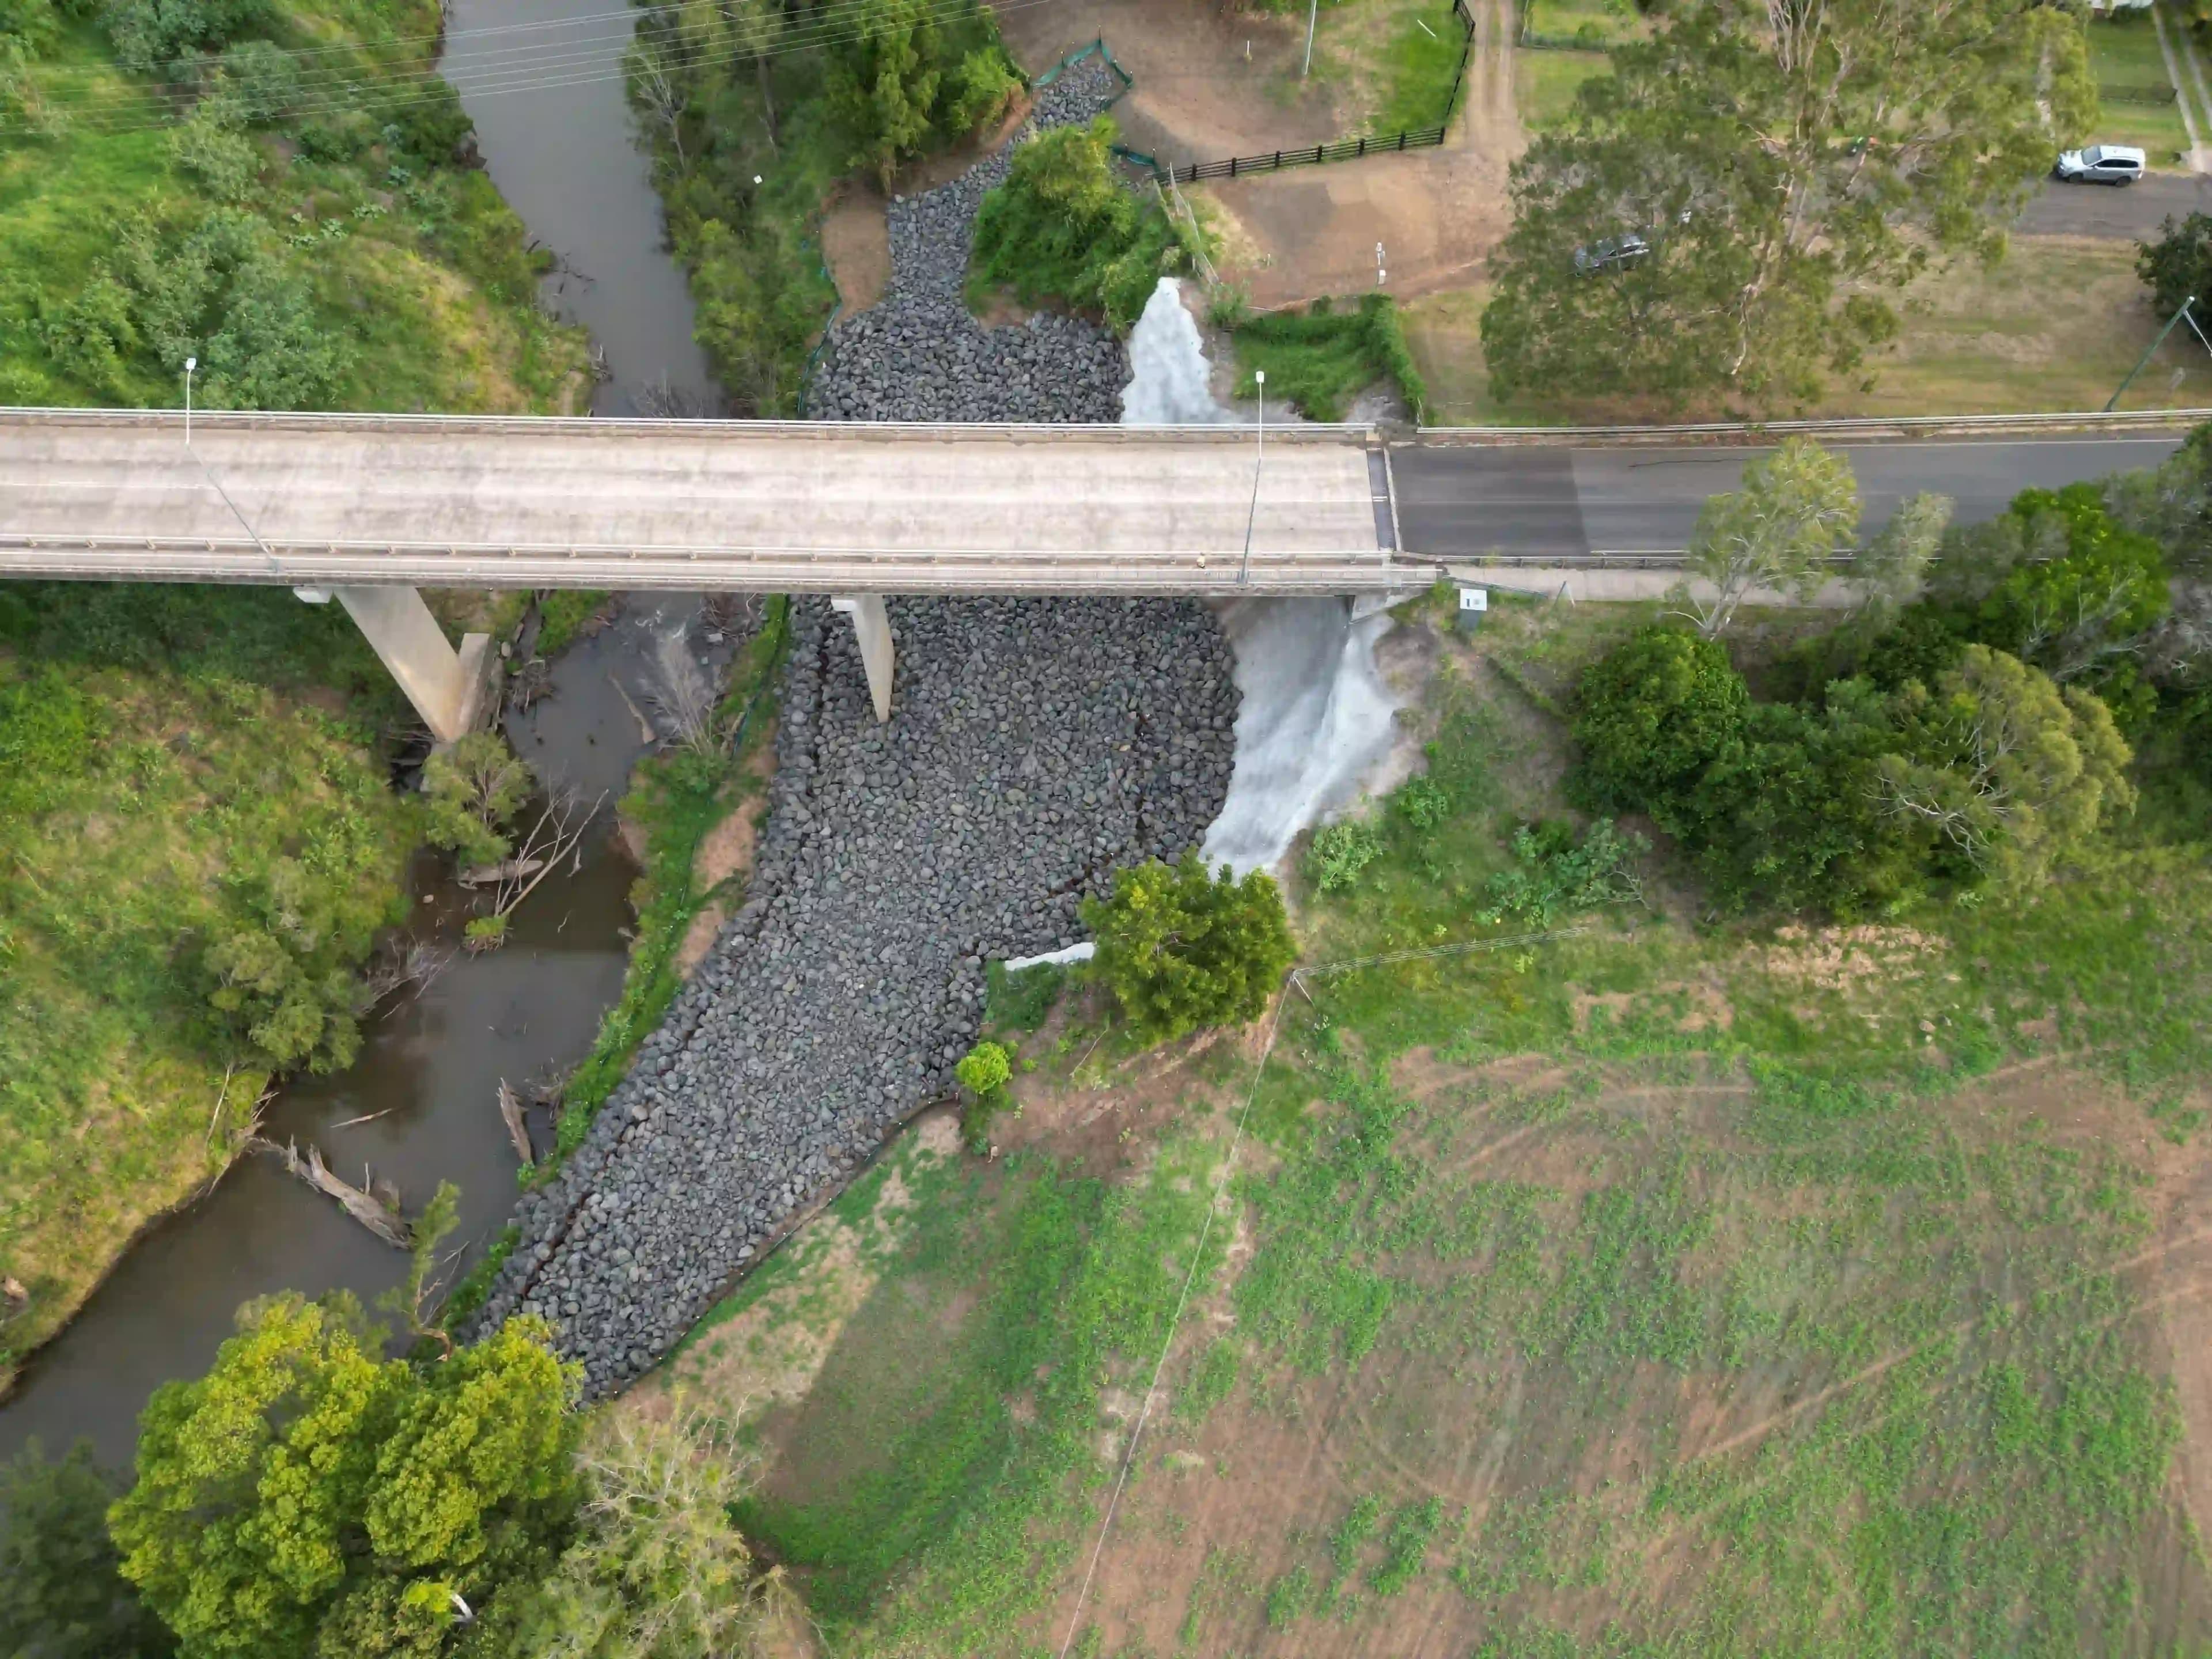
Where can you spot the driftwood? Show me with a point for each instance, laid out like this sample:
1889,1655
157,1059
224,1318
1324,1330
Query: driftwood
381,1217
510,1113
483,875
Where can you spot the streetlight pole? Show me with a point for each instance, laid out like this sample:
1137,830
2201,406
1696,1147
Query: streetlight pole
1313,16
1259,455
215,483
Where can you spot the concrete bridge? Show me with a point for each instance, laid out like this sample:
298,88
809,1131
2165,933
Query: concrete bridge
362,507
365,508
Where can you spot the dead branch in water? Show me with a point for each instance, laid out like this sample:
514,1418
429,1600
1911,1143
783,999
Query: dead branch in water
555,834
403,962
384,1220
484,875
510,1113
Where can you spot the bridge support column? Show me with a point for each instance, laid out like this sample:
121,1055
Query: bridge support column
451,689
873,627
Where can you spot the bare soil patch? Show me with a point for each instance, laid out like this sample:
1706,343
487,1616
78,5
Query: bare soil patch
1199,95
856,245
726,853
1294,236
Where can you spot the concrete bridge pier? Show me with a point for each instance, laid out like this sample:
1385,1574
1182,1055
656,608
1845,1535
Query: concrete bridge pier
873,627
451,691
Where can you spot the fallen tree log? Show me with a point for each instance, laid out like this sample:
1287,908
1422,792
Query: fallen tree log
510,1113
381,1218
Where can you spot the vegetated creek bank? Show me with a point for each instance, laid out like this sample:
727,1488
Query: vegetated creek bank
426,1082
542,81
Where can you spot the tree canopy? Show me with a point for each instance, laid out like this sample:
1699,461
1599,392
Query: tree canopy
1181,948
307,1496
1784,162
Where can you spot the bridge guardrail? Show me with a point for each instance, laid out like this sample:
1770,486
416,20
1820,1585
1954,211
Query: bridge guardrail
1855,426
1361,432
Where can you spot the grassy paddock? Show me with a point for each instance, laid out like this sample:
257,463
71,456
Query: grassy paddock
2055,325
1655,1290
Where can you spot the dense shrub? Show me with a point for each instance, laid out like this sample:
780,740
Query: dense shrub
1181,949
1321,358
2178,264
215,292
1340,852
150,35
1555,873
984,1072
1062,228
1651,716
472,789
49,731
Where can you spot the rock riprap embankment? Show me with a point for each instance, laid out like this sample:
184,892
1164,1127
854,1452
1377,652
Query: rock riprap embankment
1036,746
919,355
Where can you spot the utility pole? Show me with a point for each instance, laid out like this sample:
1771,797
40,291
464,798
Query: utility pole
1313,16
1259,454
2111,402
190,363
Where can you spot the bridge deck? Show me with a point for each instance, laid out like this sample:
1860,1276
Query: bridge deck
342,500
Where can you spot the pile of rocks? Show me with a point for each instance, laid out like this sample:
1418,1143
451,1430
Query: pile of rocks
919,356
1036,747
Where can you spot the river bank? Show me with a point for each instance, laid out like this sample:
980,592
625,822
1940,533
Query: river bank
418,1106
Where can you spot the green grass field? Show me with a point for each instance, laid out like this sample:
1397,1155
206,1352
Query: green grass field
1545,83
1654,1290
2125,56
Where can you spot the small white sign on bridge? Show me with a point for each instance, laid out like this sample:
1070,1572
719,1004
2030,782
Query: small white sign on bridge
1473,602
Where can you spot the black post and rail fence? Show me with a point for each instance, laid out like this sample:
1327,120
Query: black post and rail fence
1343,149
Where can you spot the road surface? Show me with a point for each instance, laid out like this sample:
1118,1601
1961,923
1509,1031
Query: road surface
1456,502
2131,213
348,500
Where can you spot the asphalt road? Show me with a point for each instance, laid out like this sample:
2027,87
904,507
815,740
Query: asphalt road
1464,502
2131,212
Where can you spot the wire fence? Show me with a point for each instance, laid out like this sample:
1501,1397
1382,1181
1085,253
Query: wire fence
1342,150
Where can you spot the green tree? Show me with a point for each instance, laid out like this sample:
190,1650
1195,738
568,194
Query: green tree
657,1570
1063,227
1797,507
211,145
1181,949
1651,715
2014,772
61,1595
1891,570
885,74
2177,266
472,789
307,1497
984,1072
2172,503
1784,164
